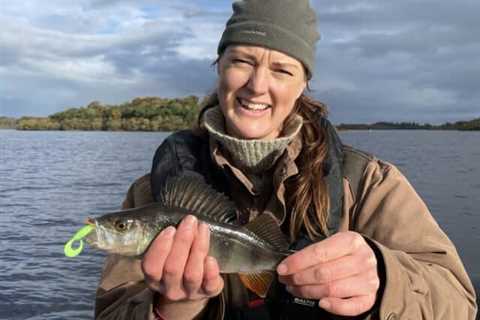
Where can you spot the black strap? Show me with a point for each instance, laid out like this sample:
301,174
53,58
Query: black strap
354,164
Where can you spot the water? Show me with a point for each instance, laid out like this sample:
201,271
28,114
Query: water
51,181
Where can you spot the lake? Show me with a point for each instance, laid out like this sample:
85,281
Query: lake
51,181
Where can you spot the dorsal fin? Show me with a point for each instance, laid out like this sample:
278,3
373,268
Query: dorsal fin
266,227
195,195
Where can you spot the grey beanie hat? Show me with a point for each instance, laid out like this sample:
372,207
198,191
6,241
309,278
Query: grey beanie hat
289,26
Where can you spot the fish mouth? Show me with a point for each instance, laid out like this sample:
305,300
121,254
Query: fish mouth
92,237
100,237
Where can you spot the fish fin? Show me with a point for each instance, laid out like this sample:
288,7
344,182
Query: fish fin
259,283
196,196
266,227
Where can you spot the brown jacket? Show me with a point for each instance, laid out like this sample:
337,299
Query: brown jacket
424,276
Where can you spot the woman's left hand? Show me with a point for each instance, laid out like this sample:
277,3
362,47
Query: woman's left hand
340,271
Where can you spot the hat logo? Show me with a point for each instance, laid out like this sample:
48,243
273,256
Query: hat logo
255,32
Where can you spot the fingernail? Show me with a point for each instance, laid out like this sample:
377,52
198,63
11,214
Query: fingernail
211,261
282,269
190,221
324,304
168,232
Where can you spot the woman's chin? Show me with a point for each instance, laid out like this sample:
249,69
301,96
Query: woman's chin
253,134
250,129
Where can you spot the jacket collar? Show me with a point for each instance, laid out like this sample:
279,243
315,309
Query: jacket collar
286,168
334,174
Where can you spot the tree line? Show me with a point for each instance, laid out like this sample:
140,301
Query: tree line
7,123
459,125
140,114
163,114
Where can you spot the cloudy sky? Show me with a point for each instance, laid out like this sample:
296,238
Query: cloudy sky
408,60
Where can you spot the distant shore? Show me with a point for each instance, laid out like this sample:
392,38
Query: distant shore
160,114
472,125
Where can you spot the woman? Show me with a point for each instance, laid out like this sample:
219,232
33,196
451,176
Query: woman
367,246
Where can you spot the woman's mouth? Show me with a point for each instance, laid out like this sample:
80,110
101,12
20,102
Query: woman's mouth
252,106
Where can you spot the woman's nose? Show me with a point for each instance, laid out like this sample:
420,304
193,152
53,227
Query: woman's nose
258,81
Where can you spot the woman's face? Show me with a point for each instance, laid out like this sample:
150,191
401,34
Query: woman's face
257,90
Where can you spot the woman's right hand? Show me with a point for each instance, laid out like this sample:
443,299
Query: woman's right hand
177,266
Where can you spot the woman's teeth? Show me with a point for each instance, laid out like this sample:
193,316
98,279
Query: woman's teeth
253,106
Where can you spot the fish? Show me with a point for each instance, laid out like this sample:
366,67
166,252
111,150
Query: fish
253,250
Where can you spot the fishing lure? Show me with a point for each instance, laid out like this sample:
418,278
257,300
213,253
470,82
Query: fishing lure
69,250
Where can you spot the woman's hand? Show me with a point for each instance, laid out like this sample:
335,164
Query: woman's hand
177,266
340,271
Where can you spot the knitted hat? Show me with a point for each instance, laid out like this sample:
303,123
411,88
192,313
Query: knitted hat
289,26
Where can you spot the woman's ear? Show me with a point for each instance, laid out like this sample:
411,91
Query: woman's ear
303,89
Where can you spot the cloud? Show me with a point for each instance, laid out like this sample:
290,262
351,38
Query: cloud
377,60
399,61
61,55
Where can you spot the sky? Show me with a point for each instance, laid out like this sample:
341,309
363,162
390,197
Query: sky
377,60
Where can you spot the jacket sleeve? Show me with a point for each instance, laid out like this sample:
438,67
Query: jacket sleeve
424,276
122,293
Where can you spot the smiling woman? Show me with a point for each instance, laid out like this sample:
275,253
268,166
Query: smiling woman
257,90
346,215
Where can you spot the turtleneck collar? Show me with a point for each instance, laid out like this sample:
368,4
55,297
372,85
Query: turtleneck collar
253,155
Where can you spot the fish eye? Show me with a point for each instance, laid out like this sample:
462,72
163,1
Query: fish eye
121,225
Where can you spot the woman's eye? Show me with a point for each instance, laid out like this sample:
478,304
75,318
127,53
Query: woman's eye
236,60
286,72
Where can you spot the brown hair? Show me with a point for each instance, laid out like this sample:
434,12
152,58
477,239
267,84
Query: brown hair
307,189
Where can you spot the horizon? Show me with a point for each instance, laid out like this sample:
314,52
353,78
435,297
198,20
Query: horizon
335,123
376,61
